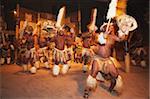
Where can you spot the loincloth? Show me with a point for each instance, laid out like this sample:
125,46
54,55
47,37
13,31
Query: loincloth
70,53
87,55
39,55
60,56
87,52
108,65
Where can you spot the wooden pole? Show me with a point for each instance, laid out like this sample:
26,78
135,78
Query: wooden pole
127,57
127,62
79,21
3,38
127,54
121,9
17,23
17,31
108,24
36,32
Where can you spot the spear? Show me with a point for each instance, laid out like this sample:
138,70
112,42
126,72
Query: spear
60,17
91,26
111,12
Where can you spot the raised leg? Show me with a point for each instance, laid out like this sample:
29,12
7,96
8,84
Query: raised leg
91,82
112,85
85,63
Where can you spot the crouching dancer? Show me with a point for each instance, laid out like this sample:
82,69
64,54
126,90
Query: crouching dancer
88,38
103,64
60,54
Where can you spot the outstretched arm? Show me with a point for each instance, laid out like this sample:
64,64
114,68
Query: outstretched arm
119,39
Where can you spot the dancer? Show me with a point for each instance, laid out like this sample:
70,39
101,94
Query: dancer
70,41
104,63
88,38
60,53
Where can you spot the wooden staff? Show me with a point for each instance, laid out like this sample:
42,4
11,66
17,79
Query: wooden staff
17,30
111,12
108,25
37,30
79,21
17,23
127,57
3,38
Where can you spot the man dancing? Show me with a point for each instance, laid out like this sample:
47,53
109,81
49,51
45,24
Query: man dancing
60,52
104,63
88,39
70,42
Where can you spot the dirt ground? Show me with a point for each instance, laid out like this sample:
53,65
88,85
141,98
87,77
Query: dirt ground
16,84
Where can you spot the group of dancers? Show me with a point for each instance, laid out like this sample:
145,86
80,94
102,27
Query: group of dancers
94,50
56,45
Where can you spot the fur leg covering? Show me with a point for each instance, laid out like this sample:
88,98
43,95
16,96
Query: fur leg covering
119,84
143,63
100,77
91,82
85,68
8,60
133,62
2,61
56,70
42,59
33,70
65,69
46,64
25,68
37,64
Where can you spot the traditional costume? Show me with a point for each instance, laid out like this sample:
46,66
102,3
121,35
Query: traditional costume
60,55
126,24
78,50
69,45
103,64
87,52
26,44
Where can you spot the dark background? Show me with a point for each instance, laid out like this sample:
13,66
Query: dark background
139,9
